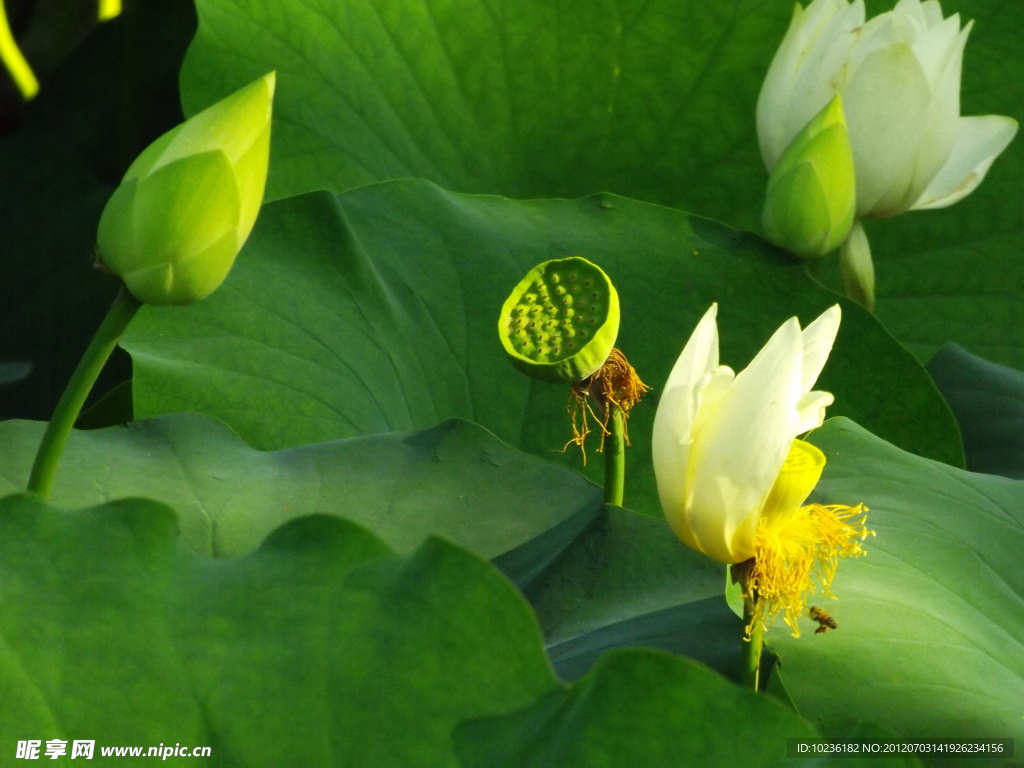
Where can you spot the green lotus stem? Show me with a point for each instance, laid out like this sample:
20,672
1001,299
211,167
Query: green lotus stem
109,9
14,60
752,647
615,458
70,405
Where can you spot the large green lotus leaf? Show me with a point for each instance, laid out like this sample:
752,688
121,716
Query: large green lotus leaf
652,99
606,720
454,480
319,648
988,402
931,620
522,97
376,310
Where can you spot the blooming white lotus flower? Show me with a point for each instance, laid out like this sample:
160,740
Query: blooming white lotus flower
731,475
899,76
721,439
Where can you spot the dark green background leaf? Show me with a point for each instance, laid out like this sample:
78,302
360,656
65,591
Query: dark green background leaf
988,402
653,100
376,310
114,95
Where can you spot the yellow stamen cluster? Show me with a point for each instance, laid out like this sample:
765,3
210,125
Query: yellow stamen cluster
789,549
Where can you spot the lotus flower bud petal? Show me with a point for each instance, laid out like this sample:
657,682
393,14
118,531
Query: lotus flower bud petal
185,207
811,193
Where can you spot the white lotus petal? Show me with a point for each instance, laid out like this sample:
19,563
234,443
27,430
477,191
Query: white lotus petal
818,338
674,418
699,356
811,408
801,76
886,125
978,142
937,47
932,12
738,454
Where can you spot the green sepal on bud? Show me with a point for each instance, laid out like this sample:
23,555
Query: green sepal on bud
812,197
561,321
185,207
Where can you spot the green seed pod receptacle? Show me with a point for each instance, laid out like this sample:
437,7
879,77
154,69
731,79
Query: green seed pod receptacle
560,323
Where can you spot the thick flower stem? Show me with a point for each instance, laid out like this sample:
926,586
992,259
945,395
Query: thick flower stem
64,415
752,648
615,458
751,652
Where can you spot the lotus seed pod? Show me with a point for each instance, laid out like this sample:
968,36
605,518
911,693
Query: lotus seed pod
174,226
561,321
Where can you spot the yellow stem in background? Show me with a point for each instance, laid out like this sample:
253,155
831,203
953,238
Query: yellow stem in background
109,9
14,60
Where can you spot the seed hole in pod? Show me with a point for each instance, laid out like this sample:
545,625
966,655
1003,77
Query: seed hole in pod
559,290
572,276
591,321
586,283
570,344
593,295
555,351
550,307
532,324
565,301
555,278
583,333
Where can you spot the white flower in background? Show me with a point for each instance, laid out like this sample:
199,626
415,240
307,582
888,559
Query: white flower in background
899,76
731,475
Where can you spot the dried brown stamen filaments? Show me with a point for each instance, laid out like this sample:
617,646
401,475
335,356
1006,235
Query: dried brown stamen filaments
614,386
